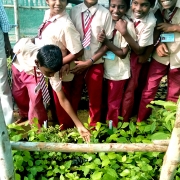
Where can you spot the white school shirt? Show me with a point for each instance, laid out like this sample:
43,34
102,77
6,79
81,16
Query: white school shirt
26,55
119,69
102,20
145,29
62,32
174,47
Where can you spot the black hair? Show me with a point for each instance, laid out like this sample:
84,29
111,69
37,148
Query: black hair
127,3
152,2
50,56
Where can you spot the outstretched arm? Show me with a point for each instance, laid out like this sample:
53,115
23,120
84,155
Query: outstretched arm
68,108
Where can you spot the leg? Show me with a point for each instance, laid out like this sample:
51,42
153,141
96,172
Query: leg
94,80
36,106
5,92
62,116
155,74
132,84
115,94
141,84
173,85
20,93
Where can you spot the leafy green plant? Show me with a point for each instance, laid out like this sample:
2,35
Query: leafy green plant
96,166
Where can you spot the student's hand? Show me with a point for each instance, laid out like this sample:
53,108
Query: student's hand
162,50
121,26
101,36
64,70
8,49
81,66
166,27
143,58
85,134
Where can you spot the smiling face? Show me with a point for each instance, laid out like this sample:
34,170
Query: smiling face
117,9
90,3
140,8
56,6
167,4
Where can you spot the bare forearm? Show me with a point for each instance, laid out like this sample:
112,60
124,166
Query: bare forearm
176,28
117,51
99,53
71,57
133,44
68,108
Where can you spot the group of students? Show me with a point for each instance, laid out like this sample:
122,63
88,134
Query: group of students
106,49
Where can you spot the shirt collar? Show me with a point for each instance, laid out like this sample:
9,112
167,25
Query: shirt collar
52,19
131,16
92,9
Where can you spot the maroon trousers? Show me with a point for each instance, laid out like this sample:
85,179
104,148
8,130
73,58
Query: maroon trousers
93,78
73,96
132,84
155,74
115,90
29,103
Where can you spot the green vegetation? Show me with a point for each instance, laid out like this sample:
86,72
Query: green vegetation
96,166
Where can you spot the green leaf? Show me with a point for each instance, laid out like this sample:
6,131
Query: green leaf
49,173
67,164
85,170
98,126
105,162
108,177
111,172
153,127
126,172
132,128
122,140
160,136
30,163
124,158
16,127
112,155
62,177
97,161
96,175
16,137
125,124
17,176
147,128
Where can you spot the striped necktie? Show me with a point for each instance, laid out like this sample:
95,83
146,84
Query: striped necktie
87,27
44,89
43,86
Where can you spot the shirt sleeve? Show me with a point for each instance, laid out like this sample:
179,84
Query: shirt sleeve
72,38
4,23
146,36
109,26
56,82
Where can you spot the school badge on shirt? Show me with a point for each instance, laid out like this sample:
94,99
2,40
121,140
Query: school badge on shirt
109,55
167,37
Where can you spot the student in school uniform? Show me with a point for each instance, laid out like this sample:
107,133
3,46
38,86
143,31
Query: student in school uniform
89,19
144,24
165,60
46,61
117,60
30,103
58,29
